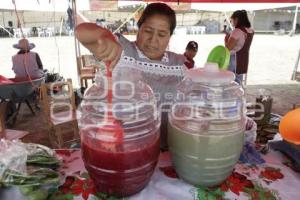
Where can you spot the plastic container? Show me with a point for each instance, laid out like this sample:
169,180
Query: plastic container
119,141
206,126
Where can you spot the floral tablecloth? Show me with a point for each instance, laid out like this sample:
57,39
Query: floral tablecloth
249,180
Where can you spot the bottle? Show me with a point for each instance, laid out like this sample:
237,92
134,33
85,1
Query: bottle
119,137
206,126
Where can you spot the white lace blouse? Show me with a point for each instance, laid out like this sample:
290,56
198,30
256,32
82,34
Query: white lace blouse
162,76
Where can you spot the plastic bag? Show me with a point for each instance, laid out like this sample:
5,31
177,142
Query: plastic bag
250,132
13,156
27,164
41,155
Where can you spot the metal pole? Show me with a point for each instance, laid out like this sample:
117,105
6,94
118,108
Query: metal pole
128,18
3,18
61,25
228,20
296,67
253,16
294,22
77,48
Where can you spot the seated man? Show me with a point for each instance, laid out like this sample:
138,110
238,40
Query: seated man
26,64
190,52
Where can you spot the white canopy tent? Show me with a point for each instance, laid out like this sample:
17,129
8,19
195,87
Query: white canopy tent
62,5
227,7
252,7
43,5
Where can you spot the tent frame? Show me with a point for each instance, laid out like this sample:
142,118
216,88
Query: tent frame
294,22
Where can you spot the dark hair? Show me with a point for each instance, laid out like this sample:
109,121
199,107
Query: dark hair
160,9
242,17
192,45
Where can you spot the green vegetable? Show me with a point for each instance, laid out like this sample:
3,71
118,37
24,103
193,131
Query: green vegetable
40,174
26,189
42,156
40,194
35,177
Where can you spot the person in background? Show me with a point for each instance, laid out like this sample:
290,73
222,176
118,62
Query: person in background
190,52
26,62
239,42
162,70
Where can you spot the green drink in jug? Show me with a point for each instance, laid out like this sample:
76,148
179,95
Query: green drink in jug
206,126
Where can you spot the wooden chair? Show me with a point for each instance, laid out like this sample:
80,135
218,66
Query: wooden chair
89,62
86,69
60,112
8,134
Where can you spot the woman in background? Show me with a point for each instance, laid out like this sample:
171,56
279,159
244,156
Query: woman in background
26,63
239,42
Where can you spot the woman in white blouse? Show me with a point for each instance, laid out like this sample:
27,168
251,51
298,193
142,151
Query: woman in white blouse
160,69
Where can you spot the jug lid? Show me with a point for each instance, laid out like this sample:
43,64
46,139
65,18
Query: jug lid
210,74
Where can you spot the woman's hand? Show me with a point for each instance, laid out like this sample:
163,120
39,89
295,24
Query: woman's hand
227,35
100,41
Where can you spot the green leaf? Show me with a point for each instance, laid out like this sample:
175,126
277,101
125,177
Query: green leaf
27,189
40,194
261,192
201,194
43,157
35,177
85,175
211,197
62,197
102,196
112,198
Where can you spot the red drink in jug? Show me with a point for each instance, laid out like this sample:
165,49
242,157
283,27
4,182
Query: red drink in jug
120,168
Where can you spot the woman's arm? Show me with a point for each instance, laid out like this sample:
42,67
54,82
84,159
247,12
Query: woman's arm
230,42
100,41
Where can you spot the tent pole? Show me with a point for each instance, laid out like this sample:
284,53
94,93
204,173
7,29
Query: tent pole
3,18
253,16
60,28
77,46
294,75
128,18
228,20
294,22
75,24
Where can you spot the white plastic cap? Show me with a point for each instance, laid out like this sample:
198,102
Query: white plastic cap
210,74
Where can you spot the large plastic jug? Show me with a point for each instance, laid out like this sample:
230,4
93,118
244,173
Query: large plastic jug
119,140
206,126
